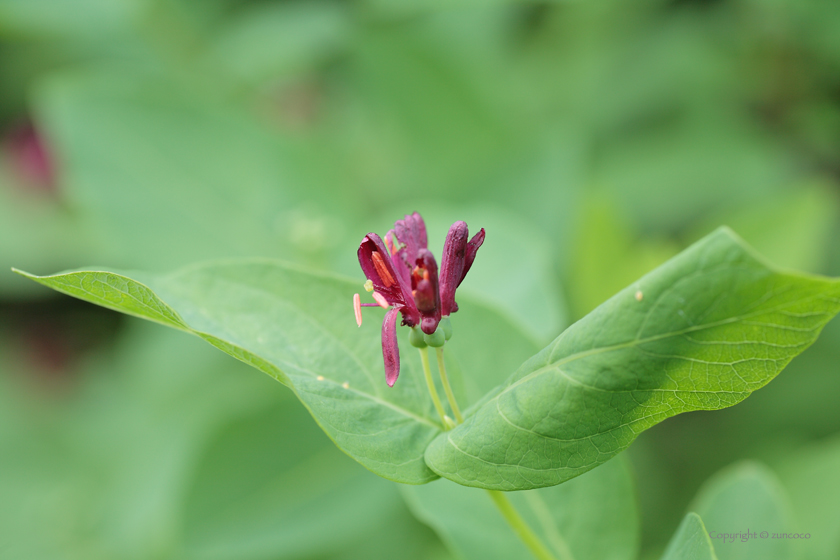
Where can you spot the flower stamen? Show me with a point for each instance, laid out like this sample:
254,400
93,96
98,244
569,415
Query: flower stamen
382,270
380,299
357,308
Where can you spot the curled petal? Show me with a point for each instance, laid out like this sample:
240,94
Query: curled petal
472,249
452,265
390,348
379,269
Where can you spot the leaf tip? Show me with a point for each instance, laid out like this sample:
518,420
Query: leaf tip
726,231
24,273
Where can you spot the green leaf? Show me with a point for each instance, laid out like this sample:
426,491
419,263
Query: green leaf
271,485
593,517
691,541
810,477
701,332
607,255
746,498
793,229
271,41
289,324
297,327
166,448
161,177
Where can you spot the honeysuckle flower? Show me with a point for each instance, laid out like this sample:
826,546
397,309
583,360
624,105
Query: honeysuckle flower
403,275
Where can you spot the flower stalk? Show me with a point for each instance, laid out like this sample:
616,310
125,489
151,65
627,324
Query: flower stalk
450,396
430,383
520,527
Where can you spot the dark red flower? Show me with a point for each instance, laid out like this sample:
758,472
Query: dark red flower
403,275
29,158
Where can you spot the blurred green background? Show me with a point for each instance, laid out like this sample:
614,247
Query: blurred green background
592,139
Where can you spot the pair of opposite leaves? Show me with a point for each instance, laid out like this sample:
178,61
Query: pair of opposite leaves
701,332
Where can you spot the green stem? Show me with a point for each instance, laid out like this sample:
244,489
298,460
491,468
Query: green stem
450,396
531,540
430,383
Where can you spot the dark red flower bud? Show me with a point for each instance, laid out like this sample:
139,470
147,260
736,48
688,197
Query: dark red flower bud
452,265
424,285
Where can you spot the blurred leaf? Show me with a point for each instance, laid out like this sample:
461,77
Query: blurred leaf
165,176
701,332
591,518
714,163
607,256
691,541
69,18
746,497
810,478
270,41
36,231
271,485
172,450
473,370
514,272
792,229
95,473
429,125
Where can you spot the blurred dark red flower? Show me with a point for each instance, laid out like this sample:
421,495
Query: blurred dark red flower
29,158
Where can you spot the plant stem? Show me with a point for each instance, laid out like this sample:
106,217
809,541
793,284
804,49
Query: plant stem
430,383
450,396
531,540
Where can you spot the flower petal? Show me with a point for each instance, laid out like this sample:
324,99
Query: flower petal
419,227
411,232
425,287
472,249
390,348
452,265
402,267
378,268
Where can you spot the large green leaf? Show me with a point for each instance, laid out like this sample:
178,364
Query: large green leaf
298,327
691,541
701,332
593,517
